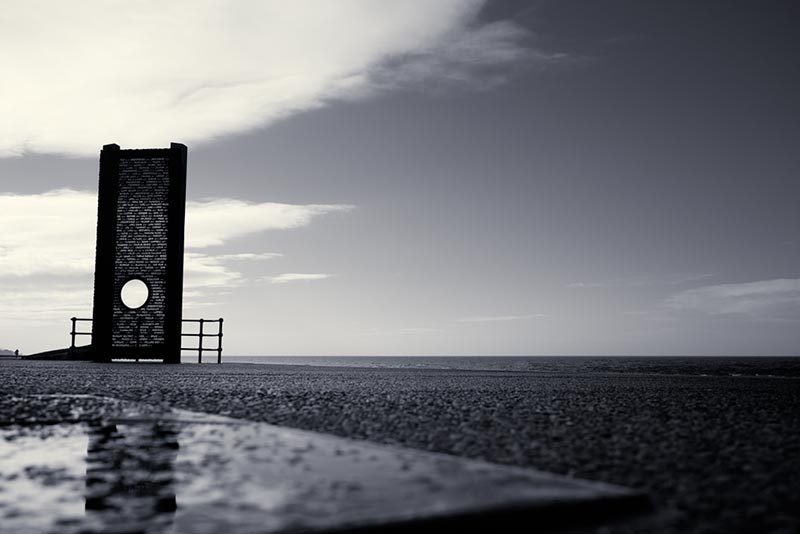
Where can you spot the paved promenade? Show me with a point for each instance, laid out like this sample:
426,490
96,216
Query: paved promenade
715,453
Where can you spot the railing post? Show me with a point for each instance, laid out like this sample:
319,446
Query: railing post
200,344
219,342
72,334
138,336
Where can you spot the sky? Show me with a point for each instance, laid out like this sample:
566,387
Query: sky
427,177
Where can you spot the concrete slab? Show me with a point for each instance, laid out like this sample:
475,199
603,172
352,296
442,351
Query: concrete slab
124,467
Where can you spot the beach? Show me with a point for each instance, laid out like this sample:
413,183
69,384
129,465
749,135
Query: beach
716,450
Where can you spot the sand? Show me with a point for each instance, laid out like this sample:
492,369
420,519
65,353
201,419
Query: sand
717,453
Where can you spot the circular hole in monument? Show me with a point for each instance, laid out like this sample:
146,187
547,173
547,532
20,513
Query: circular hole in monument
134,293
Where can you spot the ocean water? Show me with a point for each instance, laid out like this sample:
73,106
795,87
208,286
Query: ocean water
672,365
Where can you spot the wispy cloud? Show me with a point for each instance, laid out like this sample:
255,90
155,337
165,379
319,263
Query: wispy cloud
213,222
47,246
80,74
642,281
777,299
501,318
39,303
285,278
584,285
408,331
478,59
248,256
202,271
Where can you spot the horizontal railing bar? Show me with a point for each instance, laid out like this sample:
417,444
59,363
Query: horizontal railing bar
184,320
182,335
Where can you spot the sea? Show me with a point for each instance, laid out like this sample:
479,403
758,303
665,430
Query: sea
763,366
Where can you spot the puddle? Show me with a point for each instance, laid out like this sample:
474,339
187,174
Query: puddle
88,478
192,473
41,470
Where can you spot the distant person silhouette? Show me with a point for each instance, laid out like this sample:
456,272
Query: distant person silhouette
16,352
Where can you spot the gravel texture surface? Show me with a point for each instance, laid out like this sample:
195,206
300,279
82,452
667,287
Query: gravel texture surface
717,453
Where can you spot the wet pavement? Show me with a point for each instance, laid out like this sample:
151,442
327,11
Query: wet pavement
83,464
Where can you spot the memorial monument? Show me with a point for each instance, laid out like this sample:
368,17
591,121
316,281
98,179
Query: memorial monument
138,277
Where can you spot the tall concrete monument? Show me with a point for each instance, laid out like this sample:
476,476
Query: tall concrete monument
138,277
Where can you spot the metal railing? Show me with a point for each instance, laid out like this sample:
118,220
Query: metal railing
200,335
74,332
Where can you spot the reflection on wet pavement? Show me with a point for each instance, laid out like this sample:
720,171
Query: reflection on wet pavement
130,474
95,478
192,473
42,473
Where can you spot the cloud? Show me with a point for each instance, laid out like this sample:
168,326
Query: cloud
38,303
408,331
642,281
54,232
777,299
202,272
296,277
51,233
248,256
77,75
47,247
584,285
478,59
501,318
214,270
213,222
